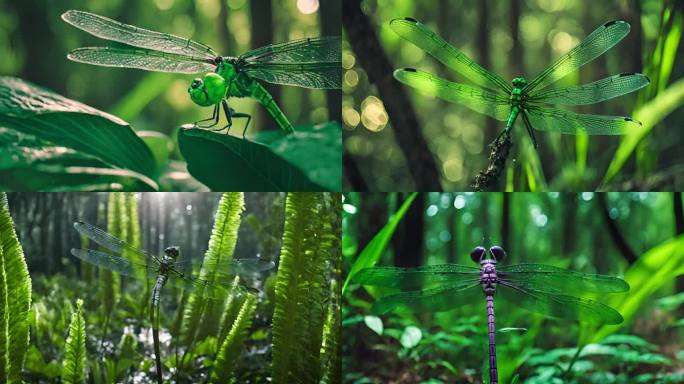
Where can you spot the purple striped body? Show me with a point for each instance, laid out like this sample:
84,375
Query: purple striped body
488,281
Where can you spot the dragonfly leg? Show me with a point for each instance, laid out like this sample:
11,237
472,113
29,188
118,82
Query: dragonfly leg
214,117
230,114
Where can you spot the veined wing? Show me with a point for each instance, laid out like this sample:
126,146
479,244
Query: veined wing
547,278
593,46
446,297
110,242
140,59
558,305
310,63
427,40
108,29
231,268
115,263
415,278
595,92
479,100
551,119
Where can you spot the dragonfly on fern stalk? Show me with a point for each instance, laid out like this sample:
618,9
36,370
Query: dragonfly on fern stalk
314,62
164,269
528,99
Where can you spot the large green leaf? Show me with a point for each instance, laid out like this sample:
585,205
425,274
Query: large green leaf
36,111
15,300
376,247
308,160
30,164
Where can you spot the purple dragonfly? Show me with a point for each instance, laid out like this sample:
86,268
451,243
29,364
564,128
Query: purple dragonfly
539,288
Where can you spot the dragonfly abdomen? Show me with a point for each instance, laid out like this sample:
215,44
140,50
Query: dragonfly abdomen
266,99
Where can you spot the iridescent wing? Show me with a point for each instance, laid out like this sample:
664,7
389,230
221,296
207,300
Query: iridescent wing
310,63
110,242
595,92
416,278
155,51
593,46
479,100
571,123
116,263
427,40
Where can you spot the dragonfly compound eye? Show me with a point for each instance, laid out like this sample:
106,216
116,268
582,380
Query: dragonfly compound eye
497,252
172,251
478,254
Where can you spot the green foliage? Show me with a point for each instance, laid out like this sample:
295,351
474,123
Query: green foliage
309,160
15,299
299,315
70,142
74,364
376,247
232,346
201,316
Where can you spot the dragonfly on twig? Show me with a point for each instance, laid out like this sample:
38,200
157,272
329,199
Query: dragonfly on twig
165,269
310,63
528,99
540,288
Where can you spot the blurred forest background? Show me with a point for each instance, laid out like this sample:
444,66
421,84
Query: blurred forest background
636,236
398,139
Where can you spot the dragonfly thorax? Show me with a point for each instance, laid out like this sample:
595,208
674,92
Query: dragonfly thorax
208,91
488,277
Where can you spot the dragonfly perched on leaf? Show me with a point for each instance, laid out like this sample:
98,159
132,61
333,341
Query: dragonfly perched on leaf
540,288
528,99
310,63
165,269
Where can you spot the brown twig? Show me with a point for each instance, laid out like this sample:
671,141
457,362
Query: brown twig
488,179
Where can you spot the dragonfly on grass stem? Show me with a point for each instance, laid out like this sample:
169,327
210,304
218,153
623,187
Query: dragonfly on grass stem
540,288
310,63
167,268
529,99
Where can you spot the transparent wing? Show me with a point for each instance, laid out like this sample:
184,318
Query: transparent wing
427,40
115,263
221,282
595,92
307,75
593,46
479,100
550,119
203,287
110,242
416,278
558,280
447,297
108,29
324,49
140,59
311,63
557,305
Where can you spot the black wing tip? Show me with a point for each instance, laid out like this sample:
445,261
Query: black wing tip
629,74
399,19
407,69
632,120
608,24
411,19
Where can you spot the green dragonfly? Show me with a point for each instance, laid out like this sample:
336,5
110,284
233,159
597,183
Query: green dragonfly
528,99
310,63
164,269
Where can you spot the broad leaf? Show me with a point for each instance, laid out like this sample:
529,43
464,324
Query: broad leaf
30,164
36,111
308,160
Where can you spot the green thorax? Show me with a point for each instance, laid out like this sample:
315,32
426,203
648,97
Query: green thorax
519,83
241,85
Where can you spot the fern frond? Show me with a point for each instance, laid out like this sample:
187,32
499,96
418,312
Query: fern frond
15,299
232,308
201,317
74,364
331,348
232,346
298,314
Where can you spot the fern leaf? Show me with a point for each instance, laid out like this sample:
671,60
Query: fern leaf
331,349
232,346
15,299
201,317
73,367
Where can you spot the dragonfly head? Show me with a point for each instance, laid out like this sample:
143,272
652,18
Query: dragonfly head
172,252
208,91
478,254
519,82
497,253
